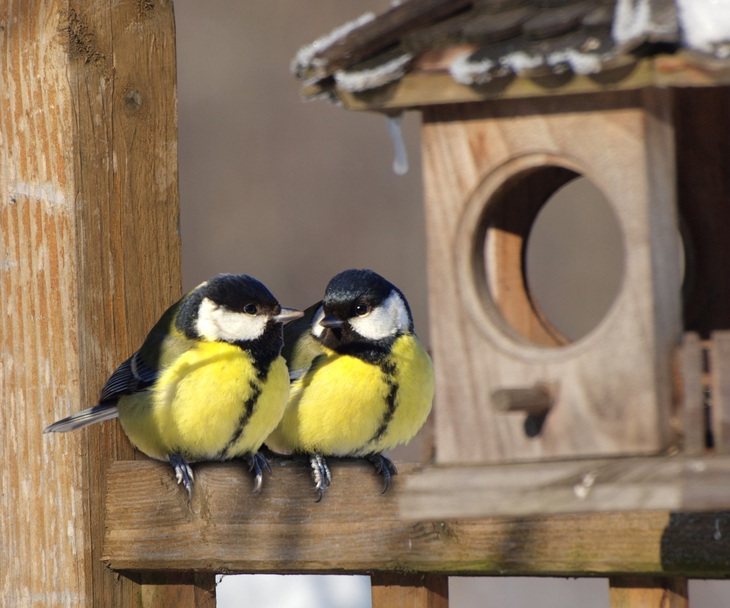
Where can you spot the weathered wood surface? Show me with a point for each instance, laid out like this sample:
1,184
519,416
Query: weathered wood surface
409,590
89,257
592,485
355,529
647,592
614,387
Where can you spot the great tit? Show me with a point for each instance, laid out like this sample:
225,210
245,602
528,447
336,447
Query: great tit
208,384
361,381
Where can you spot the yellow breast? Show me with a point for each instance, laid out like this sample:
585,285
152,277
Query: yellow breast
208,404
346,406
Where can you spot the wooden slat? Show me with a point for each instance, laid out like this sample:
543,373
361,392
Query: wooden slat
355,529
89,258
720,372
647,592
692,399
409,590
578,486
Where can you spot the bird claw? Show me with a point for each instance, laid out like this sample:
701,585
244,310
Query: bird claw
383,466
183,473
258,464
320,474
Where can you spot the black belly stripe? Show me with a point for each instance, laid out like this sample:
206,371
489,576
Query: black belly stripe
248,408
388,368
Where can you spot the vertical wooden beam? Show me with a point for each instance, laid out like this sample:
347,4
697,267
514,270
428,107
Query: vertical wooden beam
647,592
392,590
89,258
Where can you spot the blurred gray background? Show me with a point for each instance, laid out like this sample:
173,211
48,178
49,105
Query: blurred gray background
294,192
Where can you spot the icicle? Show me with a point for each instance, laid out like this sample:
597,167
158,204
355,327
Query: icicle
400,160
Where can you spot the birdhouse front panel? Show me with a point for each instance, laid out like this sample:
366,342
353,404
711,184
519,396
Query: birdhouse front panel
508,385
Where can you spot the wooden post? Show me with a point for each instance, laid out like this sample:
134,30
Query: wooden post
391,590
647,592
89,258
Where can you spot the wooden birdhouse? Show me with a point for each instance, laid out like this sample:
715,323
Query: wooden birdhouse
518,99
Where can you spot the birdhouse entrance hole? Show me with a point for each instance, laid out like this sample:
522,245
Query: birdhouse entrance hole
548,254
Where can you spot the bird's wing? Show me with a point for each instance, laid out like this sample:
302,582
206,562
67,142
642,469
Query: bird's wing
163,344
301,348
130,377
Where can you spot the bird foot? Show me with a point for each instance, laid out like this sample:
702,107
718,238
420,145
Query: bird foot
383,466
183,473
258,464
320,474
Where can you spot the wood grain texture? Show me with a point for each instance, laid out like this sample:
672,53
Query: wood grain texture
355,529
572,486
647,592
409,590
89,258
614,387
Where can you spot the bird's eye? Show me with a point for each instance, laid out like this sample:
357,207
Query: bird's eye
250,309
361,310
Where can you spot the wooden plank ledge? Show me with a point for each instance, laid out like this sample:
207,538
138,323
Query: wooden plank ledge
150,526
427,85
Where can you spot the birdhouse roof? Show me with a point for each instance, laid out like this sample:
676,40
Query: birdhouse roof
424,52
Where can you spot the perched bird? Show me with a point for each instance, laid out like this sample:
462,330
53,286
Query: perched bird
361,381
208,384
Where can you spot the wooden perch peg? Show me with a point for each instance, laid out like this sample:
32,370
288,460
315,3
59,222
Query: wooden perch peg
536,400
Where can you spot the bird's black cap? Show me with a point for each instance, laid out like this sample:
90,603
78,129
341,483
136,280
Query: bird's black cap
235,291
356,286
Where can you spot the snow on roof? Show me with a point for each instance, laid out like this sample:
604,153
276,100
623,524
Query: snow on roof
514,38
705,25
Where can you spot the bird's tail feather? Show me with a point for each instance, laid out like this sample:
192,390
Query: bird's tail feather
98,413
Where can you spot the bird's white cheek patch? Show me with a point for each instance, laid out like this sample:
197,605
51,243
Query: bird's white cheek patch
387,319
317,329
218,323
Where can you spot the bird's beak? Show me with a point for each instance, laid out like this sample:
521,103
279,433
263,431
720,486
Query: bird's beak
288,314
330,322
